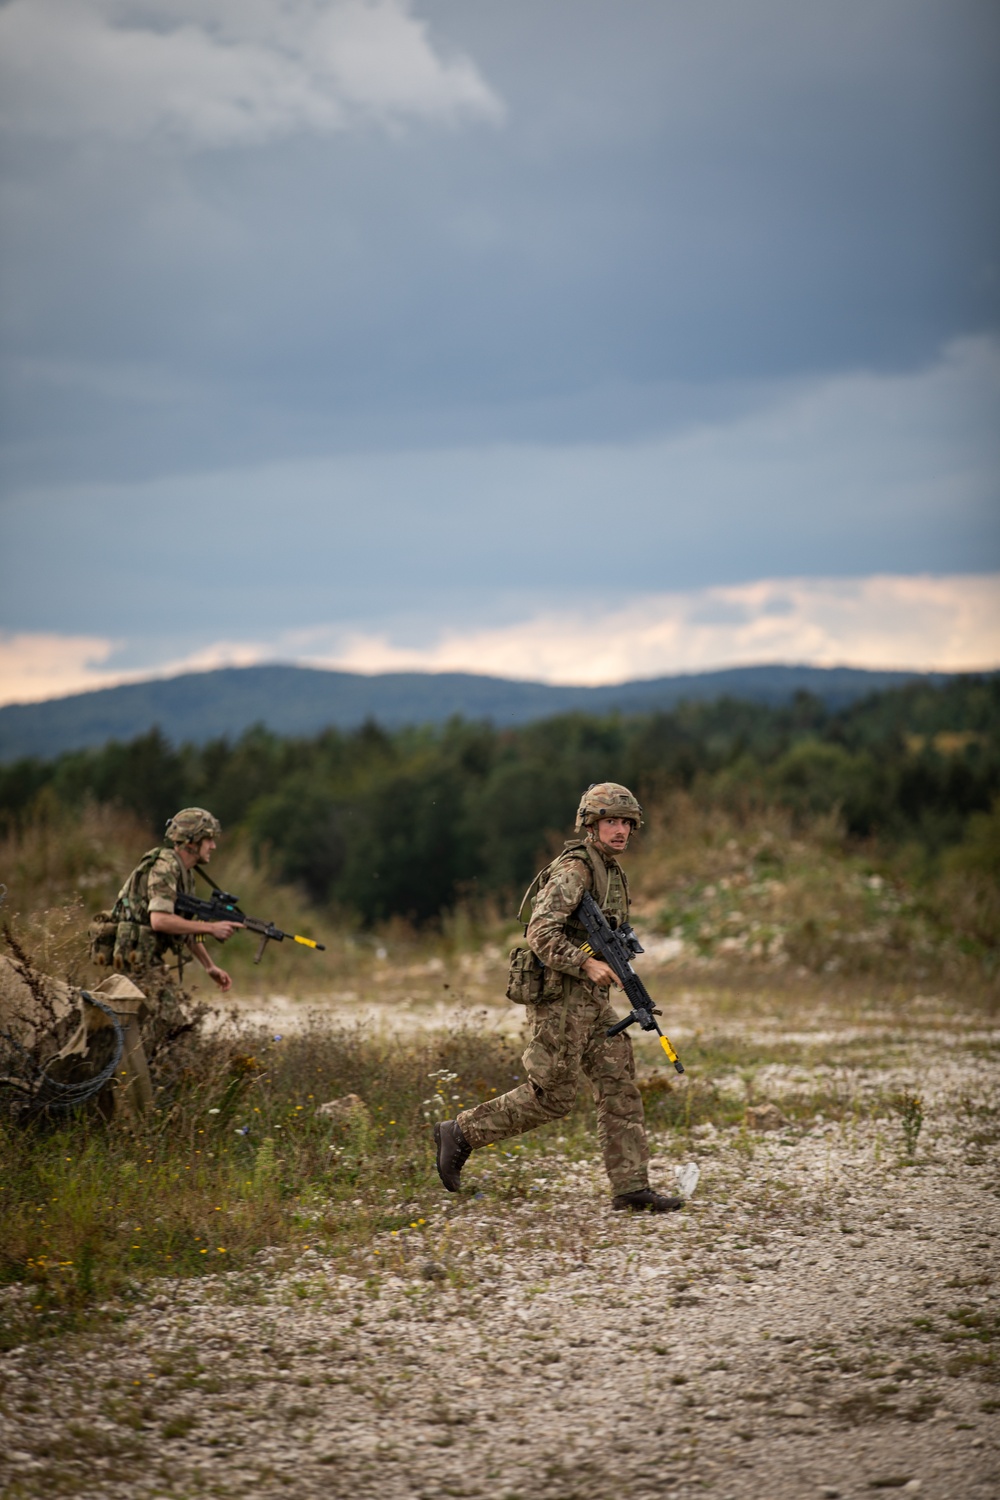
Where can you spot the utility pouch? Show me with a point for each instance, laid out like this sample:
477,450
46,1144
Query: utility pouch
554,983
102,933
524,977
136,947
126,945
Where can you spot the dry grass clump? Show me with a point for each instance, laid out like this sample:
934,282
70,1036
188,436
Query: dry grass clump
765,887
65,854
61,869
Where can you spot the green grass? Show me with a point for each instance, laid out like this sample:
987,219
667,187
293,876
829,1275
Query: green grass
233,1159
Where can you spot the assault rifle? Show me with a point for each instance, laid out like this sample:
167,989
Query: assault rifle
223,907
618,946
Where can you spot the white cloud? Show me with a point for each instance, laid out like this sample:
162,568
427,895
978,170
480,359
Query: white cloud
947,624
215,73
917,623
36,665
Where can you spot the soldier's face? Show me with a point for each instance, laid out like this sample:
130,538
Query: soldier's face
205,849
614,833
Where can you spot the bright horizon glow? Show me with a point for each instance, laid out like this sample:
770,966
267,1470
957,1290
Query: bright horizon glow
917,623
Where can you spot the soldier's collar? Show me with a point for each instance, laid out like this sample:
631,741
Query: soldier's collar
608,855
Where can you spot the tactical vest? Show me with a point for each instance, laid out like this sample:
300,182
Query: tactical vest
123,937
610,887
528,981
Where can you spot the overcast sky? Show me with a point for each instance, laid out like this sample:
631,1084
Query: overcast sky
457,332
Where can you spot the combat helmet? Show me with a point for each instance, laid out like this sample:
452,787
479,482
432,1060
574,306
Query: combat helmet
191,825
607,799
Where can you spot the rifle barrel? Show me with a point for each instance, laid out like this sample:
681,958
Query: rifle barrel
226,910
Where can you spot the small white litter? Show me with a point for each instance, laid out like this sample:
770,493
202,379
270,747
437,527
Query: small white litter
687,1178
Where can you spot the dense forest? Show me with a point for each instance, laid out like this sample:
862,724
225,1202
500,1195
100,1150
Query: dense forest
409,822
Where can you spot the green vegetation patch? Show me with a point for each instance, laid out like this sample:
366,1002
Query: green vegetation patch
235,1158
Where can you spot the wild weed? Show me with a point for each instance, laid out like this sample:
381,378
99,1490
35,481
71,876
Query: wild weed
910,1108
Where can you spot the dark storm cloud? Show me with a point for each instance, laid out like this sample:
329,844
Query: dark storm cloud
409,320
845,476
664,195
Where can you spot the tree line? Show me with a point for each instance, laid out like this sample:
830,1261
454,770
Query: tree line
411,821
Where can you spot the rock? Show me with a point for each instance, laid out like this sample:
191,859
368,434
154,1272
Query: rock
796,1409
765,1117
340,1111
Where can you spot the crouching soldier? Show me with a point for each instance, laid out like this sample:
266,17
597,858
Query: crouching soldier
569,1011
147,929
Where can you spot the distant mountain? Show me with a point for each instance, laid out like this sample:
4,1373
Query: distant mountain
201,706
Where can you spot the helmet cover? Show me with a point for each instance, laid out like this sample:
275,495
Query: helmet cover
607,799
191,825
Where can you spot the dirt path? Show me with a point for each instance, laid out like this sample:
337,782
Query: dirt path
821,1320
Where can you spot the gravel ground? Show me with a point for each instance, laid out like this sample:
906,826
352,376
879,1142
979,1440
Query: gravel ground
819,1321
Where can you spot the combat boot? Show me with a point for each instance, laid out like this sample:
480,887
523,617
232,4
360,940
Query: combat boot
647,1200
453,1151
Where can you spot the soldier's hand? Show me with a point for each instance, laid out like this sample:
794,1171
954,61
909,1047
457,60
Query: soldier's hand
220,977
598,972
223,930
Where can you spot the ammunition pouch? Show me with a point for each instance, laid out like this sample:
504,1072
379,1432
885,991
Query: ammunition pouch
102,933
524,977
137,947
529,982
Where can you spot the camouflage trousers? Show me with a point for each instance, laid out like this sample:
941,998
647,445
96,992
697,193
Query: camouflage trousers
568,1039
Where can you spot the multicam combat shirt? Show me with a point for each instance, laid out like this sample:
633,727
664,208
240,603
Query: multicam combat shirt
167,876
552,933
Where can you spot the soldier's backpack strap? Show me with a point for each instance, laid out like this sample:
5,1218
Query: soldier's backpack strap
529,894
131,898
600,873
575,849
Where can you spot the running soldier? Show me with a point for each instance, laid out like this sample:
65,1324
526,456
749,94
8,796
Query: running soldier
569,1011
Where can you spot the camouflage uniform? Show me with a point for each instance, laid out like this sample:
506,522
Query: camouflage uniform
138,950
152,886
568,1026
